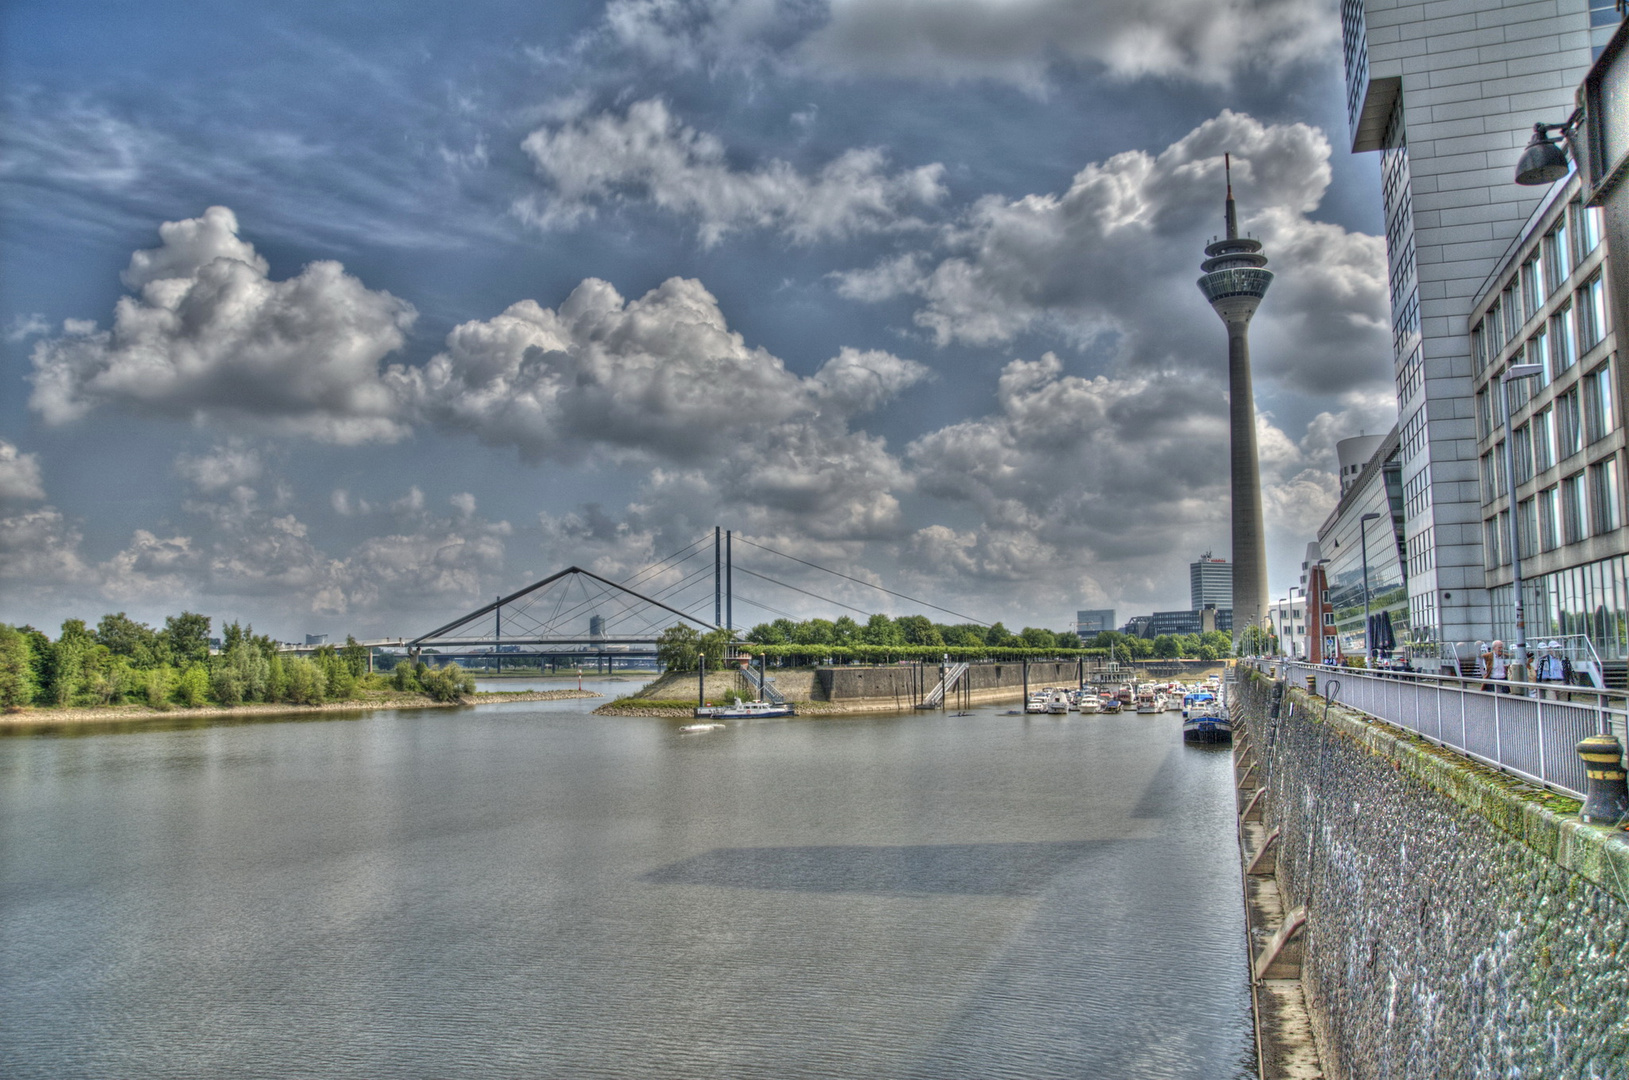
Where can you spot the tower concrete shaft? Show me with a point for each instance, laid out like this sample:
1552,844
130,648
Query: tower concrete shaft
1235,281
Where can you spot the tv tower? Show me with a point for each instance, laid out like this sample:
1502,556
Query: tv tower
1235,281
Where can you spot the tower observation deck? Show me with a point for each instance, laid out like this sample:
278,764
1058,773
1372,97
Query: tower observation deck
1235,281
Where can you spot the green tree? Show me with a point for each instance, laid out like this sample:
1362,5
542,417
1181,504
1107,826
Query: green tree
845,631
714,645
192,688
124,636
919,630
448,683
881,630
306,683
68,661
963,635
16,669
1069,640
186,637
1036,637
998,636
769,633
813,632
355,655
1166,647
43,658
403,678
676,647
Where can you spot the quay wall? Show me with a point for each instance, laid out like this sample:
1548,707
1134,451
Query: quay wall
1459,923
906,683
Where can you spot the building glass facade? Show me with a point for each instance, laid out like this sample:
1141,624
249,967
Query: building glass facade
1342,542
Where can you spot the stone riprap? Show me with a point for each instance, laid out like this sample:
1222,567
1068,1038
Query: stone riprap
1459,923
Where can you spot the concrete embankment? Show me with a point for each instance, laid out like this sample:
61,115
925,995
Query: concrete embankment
861,689
1435,918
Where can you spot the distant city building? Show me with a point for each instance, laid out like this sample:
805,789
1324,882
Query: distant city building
1137,626
1353,454
1190,622
1090,623
1344,540
1448,93
1210,583
1289,622
596,626
316,639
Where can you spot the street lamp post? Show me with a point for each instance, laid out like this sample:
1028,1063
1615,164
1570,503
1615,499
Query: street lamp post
1515,371
1363,540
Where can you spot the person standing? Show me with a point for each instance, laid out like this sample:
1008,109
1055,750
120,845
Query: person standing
1499,667
1484,665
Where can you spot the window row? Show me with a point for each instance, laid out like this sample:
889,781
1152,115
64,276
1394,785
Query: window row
1573,330
1587,503
1584,414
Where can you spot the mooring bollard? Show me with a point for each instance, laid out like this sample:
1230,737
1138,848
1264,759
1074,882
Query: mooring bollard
1608,801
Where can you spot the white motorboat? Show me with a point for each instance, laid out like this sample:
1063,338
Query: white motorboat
744,710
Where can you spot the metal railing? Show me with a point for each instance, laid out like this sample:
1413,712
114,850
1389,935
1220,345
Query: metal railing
952,676
1529,730
763,687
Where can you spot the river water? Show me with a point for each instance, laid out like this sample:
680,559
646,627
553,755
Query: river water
524,890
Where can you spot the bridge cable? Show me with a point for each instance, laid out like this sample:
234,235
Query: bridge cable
805,592
859,581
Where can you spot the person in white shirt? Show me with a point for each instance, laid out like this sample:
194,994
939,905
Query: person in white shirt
1499,667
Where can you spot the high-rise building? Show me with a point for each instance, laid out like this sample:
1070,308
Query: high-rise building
1091,623
1210,583
1448,94
1236,279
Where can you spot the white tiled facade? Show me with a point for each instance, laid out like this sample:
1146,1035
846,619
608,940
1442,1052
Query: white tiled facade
1448,92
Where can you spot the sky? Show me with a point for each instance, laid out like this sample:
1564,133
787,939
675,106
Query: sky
344,318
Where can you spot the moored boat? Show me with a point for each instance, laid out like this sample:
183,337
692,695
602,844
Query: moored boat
745,710
1207,724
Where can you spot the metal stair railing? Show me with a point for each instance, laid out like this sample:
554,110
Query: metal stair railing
953,675
763,686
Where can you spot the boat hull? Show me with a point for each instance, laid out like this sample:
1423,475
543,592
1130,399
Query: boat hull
1207,729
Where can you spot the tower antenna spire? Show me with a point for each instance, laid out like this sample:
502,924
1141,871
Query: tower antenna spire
1232,214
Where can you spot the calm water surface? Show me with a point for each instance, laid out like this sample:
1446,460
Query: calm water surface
525,890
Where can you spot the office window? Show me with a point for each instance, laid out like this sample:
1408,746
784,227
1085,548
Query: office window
1479,346
1490,477
1569,431
1591,313
1538,353
1493,543
1543,441
1496,330
1484,412
1527,527
1417,493
1563,342
1573,505
1588,219
1557,254
1511,304
1521,450
1549,519
1413,439
1598,414
1533,290
1605,511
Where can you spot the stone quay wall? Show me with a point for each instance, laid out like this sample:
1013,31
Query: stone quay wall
906,683
1458,923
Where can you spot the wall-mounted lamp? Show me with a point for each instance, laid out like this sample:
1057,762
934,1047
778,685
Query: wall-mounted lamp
1545,161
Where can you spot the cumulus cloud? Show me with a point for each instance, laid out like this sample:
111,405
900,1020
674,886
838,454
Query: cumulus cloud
1016,41
209,336
221,468
647,153
19,474
39,548
1113,261
1115,479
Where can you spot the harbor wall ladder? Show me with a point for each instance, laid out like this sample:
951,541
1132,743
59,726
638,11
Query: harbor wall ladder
953,675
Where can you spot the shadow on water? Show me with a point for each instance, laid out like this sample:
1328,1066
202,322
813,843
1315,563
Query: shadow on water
1015,869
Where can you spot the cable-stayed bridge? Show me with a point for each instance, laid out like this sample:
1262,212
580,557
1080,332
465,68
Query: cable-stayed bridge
576,615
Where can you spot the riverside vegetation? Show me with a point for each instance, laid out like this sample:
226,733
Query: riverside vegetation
123,662
914,637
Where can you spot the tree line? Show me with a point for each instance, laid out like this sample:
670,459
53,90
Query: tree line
881,639
123,661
